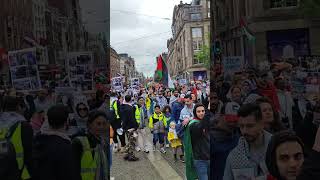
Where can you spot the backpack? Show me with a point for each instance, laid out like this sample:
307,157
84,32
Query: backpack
7,151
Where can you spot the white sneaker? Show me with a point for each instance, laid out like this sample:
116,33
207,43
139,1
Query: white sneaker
115,147
138,149
162,150
167,145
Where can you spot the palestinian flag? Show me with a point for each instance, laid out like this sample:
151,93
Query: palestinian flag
162,73
159,69
247,31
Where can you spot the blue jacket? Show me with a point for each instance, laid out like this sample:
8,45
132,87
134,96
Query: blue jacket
176,110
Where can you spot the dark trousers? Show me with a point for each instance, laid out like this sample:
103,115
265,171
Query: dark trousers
116,125
122,139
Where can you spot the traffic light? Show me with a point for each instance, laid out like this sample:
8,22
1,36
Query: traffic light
217,47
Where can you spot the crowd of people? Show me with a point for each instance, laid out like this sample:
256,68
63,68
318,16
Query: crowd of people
42,138
262,128
254,126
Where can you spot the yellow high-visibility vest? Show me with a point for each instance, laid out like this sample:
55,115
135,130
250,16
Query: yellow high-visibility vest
88,162
16,141
115,108
137,114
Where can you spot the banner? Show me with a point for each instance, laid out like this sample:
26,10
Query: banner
231,65
80,69
182,81
24,69
116,84
135,83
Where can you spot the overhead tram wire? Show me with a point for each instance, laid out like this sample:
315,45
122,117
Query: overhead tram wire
142,37
139,14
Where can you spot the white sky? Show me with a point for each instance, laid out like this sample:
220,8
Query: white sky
126,27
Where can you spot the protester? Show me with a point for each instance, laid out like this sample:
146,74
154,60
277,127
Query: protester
174,140
215,103
52,152
161,100
174,97
116,124
78,122
42,102
141,119
157,125
16,141
167,113
224,136
197,147
270,116
129,125
285,156
248,158
90,152
286,103
176,108
303,121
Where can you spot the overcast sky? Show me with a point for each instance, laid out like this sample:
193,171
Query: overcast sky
127,29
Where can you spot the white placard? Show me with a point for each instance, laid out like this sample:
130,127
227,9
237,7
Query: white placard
24,70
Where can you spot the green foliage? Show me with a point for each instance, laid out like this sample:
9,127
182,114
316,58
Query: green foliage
204,56
310,8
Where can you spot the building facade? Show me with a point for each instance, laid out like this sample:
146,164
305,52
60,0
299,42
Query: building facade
114,63
190,30
15,26
39,20
278,28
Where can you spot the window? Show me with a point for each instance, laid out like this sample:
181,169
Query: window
196,46
196,32
283,3
195,16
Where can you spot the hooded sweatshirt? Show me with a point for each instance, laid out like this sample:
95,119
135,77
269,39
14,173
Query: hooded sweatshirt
128,116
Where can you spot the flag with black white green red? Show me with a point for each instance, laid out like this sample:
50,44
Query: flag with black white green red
247,31
159,69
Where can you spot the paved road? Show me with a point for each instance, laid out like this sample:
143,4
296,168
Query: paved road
152,166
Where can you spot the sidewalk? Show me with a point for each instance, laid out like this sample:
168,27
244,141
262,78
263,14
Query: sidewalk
152,166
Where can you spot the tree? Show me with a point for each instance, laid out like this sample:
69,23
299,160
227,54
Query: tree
310,8
204,55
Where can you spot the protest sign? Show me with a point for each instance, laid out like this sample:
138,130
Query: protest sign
182,81
116,83
231,65
24,69
80,69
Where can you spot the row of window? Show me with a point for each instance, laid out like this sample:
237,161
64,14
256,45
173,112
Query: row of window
284,3
197,16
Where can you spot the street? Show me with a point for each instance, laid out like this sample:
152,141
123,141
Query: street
155,166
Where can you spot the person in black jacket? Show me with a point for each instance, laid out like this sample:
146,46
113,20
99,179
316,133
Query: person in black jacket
129,125
199,134
52,151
